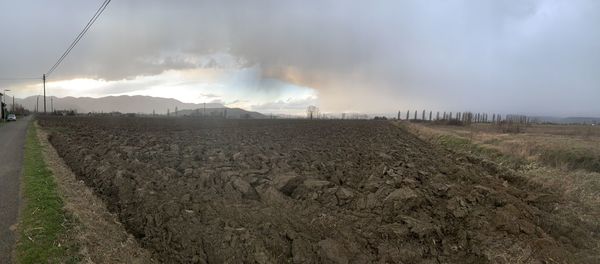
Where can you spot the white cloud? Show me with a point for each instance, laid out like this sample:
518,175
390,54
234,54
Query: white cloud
531,56
234,87
295,106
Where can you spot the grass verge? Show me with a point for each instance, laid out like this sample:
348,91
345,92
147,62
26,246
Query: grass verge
43,222
573,159
467,145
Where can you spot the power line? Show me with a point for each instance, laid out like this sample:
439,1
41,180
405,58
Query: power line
74,43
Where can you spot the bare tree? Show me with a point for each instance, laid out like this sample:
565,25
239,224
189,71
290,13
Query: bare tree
312,112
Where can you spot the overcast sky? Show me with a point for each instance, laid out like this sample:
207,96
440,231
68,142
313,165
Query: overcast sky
533,57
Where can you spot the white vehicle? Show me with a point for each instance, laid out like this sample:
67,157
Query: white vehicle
11,117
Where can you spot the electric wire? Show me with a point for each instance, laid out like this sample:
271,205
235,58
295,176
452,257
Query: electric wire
79,36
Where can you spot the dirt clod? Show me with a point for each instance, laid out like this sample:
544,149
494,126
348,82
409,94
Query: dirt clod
331,251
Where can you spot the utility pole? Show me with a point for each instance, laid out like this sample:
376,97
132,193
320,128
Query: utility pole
44,78
4,108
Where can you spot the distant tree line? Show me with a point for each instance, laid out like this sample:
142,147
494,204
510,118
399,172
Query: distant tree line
507,123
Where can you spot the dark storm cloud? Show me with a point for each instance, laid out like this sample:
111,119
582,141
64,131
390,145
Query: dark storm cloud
506,56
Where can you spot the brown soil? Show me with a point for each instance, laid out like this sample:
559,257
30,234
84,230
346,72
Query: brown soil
99,235
303,191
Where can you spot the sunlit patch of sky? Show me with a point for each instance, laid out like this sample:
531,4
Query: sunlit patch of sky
241,87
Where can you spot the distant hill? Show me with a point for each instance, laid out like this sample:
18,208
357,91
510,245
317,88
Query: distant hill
568,120
581,120
123,104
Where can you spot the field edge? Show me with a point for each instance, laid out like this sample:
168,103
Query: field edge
43,223
100,236
579,203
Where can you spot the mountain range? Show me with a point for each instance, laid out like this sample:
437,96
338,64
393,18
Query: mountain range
123,104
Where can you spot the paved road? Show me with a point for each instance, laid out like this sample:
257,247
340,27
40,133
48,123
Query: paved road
12,144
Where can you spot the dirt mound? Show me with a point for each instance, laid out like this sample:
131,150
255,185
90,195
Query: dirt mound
309,191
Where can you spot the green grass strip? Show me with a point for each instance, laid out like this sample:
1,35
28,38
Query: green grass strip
43,221
466,145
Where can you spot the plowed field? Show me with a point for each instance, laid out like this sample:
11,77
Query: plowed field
302,191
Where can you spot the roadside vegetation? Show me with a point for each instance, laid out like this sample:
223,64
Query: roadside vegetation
43,222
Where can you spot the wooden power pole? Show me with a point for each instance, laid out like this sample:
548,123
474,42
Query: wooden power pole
44,78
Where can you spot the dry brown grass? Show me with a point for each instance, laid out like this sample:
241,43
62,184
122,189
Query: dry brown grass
562,157
568,147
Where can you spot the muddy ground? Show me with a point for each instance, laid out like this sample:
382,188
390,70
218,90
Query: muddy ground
301,191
